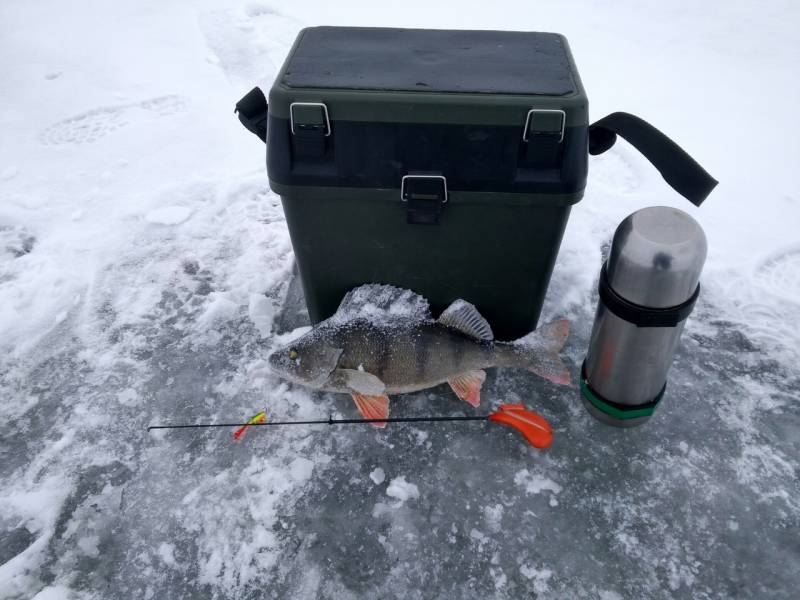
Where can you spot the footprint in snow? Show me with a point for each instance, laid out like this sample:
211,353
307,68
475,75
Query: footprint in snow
615,172
15,242
94,124
779,274
249,44
168,215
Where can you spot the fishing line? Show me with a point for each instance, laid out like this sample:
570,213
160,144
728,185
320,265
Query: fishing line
329,421
533,427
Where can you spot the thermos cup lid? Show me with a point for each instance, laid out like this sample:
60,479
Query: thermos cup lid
656,257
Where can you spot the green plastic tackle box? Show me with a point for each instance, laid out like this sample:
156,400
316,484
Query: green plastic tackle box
445,162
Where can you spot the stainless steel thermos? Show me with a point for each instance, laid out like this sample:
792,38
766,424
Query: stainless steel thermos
648,286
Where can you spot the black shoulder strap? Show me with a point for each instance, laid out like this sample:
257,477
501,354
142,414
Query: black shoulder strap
679,169
252,111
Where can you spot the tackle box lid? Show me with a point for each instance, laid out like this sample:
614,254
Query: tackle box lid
419,60
430,75
431,114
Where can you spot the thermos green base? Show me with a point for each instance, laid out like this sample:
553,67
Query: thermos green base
608,419
611,413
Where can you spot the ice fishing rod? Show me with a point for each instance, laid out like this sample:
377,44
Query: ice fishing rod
534,428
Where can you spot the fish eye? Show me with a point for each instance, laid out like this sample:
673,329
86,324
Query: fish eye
293,354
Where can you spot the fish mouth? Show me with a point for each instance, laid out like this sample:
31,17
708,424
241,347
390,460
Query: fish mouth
275,362
280,366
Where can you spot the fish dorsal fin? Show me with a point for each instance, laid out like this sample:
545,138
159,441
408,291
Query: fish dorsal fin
378,301
465,317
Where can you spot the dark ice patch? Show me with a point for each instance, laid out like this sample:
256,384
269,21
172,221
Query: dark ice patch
14,542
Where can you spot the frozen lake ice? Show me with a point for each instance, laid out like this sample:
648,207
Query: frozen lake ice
146,272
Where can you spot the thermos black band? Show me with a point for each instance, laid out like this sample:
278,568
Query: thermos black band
643,316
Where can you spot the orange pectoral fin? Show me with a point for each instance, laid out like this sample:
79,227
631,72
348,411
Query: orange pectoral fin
372,407
467,386
534,428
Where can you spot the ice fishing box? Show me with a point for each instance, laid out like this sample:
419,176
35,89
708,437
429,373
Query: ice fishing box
445,162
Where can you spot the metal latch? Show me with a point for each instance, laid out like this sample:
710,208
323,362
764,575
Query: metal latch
544,121
310,125
425,197
309,115
542,138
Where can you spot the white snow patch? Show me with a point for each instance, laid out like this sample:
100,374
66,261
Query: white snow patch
535,483
378,476
498,577
540,577
84,183
9,172
37,506
420,435
290,336
402,490
55,592
219,308
167,553
301,469
494,516
128,397
168,215
88,545
629,542
378,302
261,313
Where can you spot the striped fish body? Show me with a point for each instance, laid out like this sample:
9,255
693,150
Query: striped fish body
383,341
407,355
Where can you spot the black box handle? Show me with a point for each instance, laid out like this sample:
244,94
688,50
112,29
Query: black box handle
252,110
678,169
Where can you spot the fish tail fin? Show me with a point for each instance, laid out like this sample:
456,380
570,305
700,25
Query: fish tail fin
538,351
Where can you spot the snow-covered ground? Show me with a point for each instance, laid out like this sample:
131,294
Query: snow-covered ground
144,266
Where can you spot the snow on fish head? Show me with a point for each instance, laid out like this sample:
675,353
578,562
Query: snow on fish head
308,361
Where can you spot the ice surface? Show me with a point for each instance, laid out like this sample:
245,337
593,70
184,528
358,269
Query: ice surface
146,271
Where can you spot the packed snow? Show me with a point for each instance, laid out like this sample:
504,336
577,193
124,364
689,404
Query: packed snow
146,271
378,476
402,490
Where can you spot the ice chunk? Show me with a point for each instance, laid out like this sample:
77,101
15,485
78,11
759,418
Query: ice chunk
380,302
220,308
493,515
261,313
539,577
377,476
167,553
402,490
535,483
